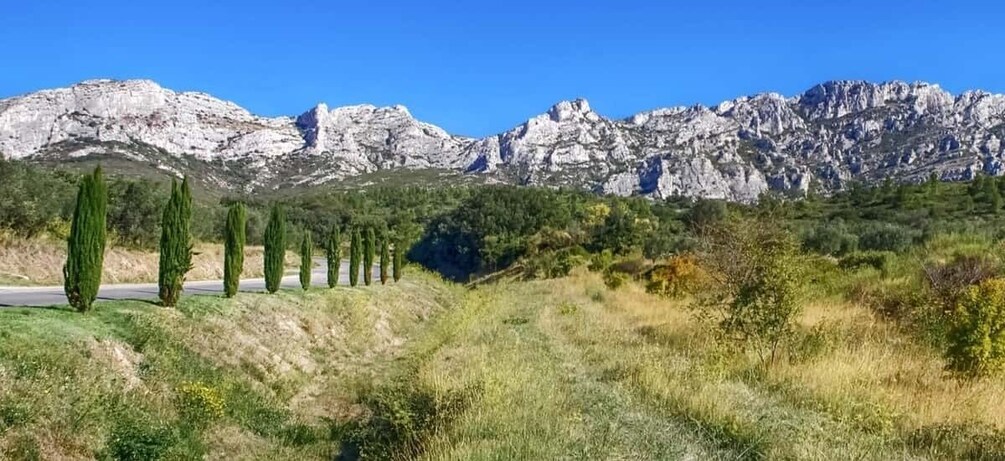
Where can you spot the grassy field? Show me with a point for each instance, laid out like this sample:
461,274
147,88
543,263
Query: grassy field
556,369
566,369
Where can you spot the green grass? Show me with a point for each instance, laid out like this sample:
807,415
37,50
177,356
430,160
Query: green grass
257,377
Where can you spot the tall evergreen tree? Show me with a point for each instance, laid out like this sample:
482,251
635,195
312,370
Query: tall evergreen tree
85,253
333,252
991,194
355,254
933,185
275,249
385,260
369,248
236,236
976,186
399,259
306,260
176,243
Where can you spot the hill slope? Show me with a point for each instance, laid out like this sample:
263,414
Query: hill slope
555,369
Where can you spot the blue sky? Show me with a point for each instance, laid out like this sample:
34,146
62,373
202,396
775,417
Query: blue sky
480,67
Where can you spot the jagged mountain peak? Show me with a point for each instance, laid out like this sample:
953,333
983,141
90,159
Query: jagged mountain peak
570,110
833,132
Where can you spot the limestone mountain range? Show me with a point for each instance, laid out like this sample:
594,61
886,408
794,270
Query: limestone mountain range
833,133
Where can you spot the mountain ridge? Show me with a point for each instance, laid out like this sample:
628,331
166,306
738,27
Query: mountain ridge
834,132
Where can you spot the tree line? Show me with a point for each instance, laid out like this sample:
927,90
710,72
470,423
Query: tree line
39,202
87,241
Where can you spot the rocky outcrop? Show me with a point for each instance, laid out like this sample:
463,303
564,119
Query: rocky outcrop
833,133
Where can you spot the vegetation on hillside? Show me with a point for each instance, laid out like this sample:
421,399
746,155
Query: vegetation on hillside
865,325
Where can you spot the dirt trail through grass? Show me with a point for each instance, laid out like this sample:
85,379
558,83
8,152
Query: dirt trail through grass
538,397
566,369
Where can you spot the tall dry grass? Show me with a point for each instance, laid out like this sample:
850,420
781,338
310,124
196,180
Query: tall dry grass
571,369
40,262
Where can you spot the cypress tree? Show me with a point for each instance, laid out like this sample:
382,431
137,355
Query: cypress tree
355,254
369,248
275,249
385,260
399,260
306,260
233,254
333,252
992,195
85,253
176,243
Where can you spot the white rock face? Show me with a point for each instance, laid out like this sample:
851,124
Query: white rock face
139,111
832,133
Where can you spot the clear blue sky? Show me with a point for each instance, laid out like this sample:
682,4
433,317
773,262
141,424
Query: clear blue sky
480,67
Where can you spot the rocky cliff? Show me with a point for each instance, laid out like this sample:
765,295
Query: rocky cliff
833,133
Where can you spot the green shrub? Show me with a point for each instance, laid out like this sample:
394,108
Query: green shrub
86,244
614,279
554,264
879,260
622,230
599,262
568,308
830,238
706,213
977,330
885,237
402,415
756,277
135,440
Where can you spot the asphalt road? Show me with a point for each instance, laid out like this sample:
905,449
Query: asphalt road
54,296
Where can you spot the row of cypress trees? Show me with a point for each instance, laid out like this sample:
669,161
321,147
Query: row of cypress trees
88,236
362,249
